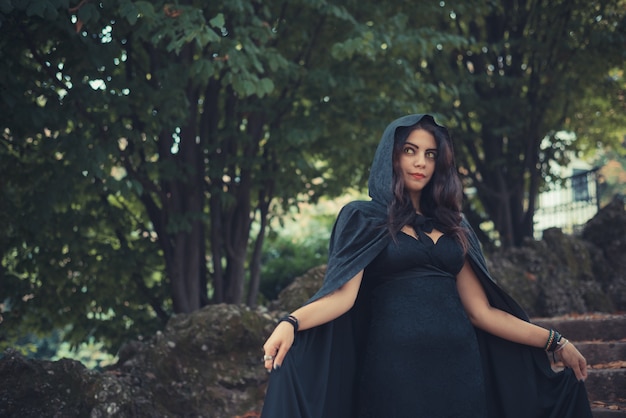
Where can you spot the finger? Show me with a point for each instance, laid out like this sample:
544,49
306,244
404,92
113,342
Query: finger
576,370
268,361
581,364
580,374
577,366
280,356
583,369
269,354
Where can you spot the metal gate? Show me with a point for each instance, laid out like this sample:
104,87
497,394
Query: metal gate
568,204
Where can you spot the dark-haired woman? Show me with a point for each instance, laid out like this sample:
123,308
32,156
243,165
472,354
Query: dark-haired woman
408,322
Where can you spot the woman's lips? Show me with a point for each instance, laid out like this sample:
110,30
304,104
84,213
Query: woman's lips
417,176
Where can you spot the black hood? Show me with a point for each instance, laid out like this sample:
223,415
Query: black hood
360,231
380,183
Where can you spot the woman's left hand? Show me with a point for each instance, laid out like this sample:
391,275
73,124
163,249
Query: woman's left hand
571,357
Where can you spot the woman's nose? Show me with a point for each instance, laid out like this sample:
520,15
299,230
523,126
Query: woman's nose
419,160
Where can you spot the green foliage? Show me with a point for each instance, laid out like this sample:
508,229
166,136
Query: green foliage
294,247
612,177
91,354
105,110
139,140
527,72
286,259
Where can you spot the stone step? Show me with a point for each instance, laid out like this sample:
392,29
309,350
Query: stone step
591,327
601,339
608,413
602,352
607,392
606,385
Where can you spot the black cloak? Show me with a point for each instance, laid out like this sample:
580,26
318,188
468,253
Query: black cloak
317,377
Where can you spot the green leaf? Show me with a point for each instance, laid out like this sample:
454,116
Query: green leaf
130,12
88,12
218,21
145,8
205,36
202,68
266,86
249,88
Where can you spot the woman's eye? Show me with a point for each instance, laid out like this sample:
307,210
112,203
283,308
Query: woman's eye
409,150
431,154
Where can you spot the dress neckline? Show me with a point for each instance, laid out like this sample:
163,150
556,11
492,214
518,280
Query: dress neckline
419,238
423,226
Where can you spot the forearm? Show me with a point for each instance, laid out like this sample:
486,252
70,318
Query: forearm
329,307
493,320
509,327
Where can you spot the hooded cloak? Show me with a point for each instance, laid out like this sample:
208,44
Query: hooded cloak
318,376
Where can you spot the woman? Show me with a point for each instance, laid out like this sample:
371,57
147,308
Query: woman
408,322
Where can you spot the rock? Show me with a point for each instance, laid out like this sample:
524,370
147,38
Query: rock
300,290
205,364
65,388
569,274
550,277
607,233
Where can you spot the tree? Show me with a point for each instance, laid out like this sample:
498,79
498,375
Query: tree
531,70
141,140
146,145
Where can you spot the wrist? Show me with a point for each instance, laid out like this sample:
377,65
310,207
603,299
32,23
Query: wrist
561,344
291,320
555,339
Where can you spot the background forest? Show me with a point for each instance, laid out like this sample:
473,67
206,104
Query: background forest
152,153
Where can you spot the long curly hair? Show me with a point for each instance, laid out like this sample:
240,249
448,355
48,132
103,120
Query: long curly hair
441,199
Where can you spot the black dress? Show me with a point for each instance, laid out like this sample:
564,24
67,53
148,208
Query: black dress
323,372
421,357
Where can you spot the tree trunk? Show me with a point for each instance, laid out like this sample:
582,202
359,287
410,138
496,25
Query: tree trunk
217,245
255,262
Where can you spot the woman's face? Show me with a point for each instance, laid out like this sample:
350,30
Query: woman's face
417,162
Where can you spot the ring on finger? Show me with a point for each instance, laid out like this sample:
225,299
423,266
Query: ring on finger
267,357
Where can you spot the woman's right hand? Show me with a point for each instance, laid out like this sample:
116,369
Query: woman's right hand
311,315
276,347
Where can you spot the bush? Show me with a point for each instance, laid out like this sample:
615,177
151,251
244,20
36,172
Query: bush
292,250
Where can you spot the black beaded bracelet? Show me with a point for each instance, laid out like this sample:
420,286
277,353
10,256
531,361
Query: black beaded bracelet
553,341
292,320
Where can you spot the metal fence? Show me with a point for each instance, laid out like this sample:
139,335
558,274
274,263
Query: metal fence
569,204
